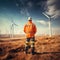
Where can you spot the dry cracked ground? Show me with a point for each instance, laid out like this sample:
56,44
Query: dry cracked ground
46,48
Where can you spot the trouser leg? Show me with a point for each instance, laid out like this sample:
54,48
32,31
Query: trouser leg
27,45
32,45
26,49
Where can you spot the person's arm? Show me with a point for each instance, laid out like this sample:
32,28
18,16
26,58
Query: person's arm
35,29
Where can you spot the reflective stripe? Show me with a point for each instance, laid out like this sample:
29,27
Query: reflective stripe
32,45
27,42
32,42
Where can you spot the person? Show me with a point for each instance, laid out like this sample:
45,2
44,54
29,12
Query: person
30,31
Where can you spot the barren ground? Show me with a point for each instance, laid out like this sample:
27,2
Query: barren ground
45,48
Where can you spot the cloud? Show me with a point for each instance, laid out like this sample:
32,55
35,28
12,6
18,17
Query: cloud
29,4
42,22
22,8
50,2
25,12
53,8
17,4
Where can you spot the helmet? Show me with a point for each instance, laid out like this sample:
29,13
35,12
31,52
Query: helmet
29,18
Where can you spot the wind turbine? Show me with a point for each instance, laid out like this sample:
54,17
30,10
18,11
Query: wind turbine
12,28
50,28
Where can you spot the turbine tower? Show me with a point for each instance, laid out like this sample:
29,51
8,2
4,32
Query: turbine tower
50,28
12,28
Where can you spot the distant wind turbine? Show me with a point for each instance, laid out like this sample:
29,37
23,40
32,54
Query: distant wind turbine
12,28
49,17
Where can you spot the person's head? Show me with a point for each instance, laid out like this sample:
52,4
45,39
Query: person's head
29,19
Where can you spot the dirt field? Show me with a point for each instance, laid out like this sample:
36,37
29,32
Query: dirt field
46,48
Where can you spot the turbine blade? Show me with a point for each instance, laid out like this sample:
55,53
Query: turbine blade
53,16
15,24
46,15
